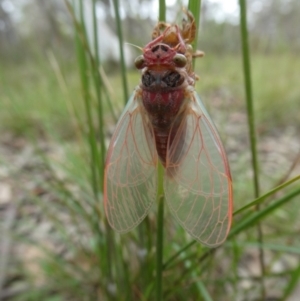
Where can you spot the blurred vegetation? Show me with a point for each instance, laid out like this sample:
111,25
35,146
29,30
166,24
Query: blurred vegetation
25,44
42,100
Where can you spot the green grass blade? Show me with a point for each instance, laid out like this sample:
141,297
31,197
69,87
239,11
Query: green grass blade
248,91
251,127
83,54
160,204
195,8
159,249
267,246
204,292
98,86
292,284
120,39
83,66
177,254
162,11
254,218
262,198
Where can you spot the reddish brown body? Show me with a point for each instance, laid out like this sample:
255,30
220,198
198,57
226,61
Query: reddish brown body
162,106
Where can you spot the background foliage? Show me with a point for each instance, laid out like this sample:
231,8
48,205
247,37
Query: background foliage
57,114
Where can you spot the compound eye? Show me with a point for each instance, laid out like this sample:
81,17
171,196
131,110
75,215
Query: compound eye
179,60
139,62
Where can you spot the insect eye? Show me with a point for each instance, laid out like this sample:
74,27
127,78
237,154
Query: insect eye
139,62
179,60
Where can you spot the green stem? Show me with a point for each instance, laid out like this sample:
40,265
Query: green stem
162,11
269,193
83,65
120,38
248,89
160,230
195,8
251,126
257,216
177,254
159,248
160,204
98,86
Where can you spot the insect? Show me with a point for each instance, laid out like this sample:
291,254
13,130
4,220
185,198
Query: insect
165,120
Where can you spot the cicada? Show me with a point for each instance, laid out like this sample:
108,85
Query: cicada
165,120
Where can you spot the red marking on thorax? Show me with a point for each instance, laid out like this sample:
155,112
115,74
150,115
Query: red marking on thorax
162,109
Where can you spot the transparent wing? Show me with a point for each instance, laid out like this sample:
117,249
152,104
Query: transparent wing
130,180
197,183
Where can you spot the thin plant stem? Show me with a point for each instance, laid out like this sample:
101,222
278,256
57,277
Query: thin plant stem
195,8
83,65
97,155
257,216
162,11
98,86
251,126
160,203
248,90
177,254
159,237
120,39
159,248
269,193
203,290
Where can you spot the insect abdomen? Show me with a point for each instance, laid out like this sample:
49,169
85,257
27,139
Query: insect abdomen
161,140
